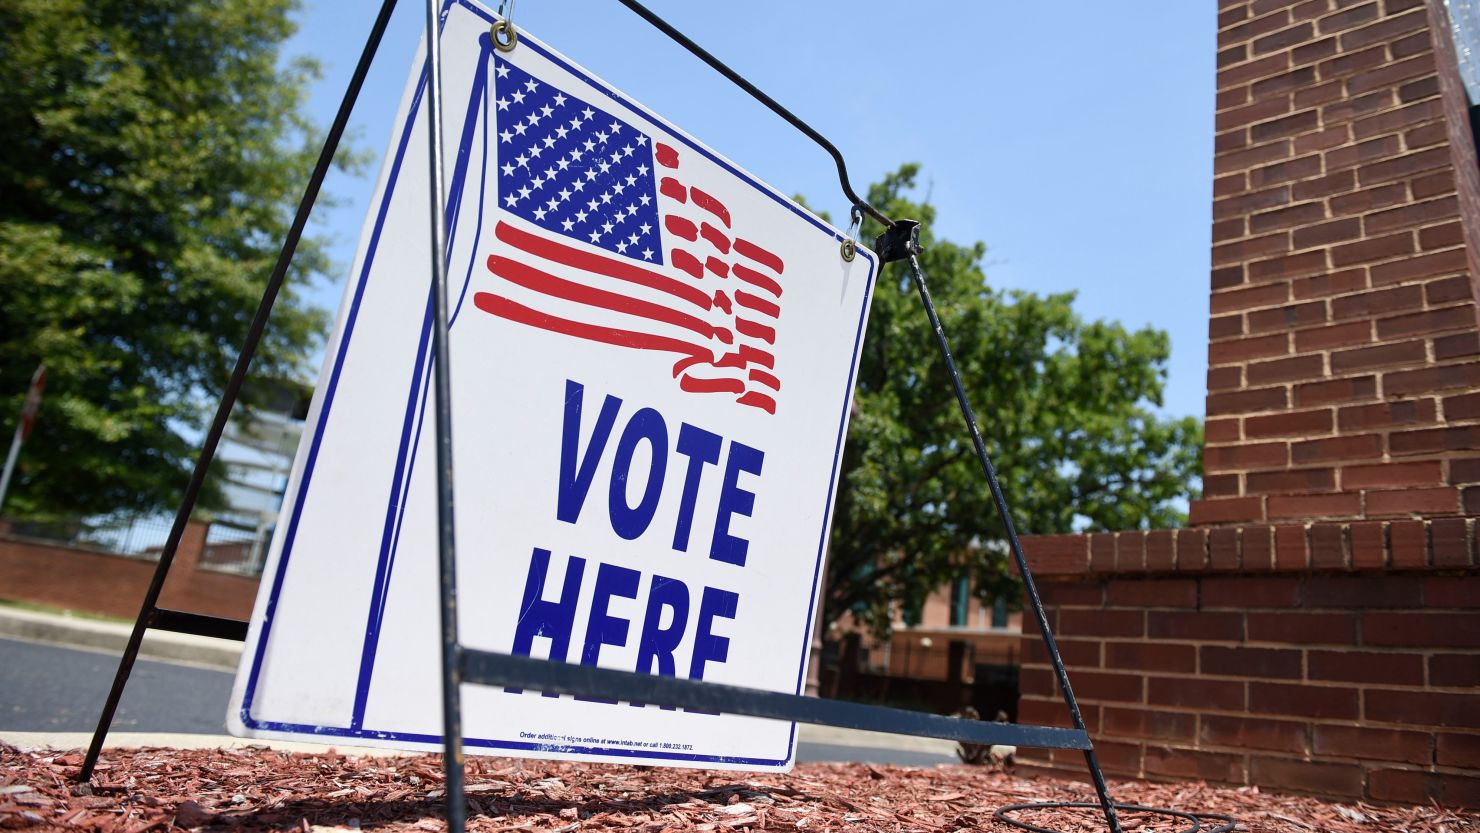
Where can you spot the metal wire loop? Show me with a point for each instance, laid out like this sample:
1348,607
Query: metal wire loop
850,243
504,25
504,29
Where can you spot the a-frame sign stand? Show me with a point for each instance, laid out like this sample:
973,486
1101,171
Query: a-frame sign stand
899,242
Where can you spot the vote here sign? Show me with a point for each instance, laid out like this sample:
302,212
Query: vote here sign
652,360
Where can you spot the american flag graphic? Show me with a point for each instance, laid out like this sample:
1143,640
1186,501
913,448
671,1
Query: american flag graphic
603,239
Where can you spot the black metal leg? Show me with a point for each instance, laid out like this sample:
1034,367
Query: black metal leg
1012,539
233,389
446,552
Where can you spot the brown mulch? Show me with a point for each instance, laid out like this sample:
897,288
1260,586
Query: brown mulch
261,789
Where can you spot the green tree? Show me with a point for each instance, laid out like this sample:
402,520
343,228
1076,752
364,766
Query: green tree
1064,405
154,152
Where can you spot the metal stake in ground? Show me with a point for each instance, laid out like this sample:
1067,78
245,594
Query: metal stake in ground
441,375
902,242
149,611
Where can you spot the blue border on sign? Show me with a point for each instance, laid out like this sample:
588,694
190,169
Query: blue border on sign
358,731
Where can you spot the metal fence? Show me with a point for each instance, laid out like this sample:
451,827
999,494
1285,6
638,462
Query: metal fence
139,536
235,548
230,546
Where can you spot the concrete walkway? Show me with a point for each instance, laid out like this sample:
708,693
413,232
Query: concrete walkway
111,637
78,632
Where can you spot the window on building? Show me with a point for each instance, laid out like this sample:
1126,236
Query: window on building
960,601
999,612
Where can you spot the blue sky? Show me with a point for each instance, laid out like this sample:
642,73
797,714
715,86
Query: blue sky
1074,138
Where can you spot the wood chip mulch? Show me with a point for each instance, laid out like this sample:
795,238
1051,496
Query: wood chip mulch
261,789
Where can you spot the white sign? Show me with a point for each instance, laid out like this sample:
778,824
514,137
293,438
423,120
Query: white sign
653,359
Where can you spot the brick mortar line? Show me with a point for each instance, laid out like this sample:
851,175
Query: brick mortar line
1261,306
1427,652
1247,713
1397,132
1213,676
1419,226
1295,65
1368,765
1326,301
1285,717
1249,21
1293,352
1294,249
1321,107
1203,568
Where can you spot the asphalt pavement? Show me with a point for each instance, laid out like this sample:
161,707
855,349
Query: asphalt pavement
60,689
50,688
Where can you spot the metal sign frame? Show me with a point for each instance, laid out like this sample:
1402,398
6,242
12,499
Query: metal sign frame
900,242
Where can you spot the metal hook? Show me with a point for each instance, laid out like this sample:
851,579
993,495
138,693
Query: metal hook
506,27
850,243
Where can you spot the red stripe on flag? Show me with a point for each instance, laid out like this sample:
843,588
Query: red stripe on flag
759,255
756,399
712,205
757,303
754,278
543,282
666,156
687,262
520,314
741,358
685,363
681,227
693,385
722,300
715,237
717,266
755,330
765,378
746,356
755,355
588,262
671,189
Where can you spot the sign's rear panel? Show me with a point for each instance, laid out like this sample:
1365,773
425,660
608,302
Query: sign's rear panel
652,366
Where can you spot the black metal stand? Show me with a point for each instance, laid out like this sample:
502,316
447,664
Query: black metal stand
900,242
452,745
150,614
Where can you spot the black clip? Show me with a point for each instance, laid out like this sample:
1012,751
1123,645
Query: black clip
899,241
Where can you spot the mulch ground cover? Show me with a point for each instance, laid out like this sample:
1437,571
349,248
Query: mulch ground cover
262,789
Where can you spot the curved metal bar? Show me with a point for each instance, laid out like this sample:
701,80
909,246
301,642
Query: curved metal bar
739,81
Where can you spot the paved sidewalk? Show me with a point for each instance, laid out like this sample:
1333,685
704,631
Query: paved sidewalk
223,654
57,629
26,741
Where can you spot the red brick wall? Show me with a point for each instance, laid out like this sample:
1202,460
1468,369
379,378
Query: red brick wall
1338,659
1344,363
1318,629
115,585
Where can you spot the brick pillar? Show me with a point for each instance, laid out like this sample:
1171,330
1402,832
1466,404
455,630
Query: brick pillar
1344,355
1318,630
